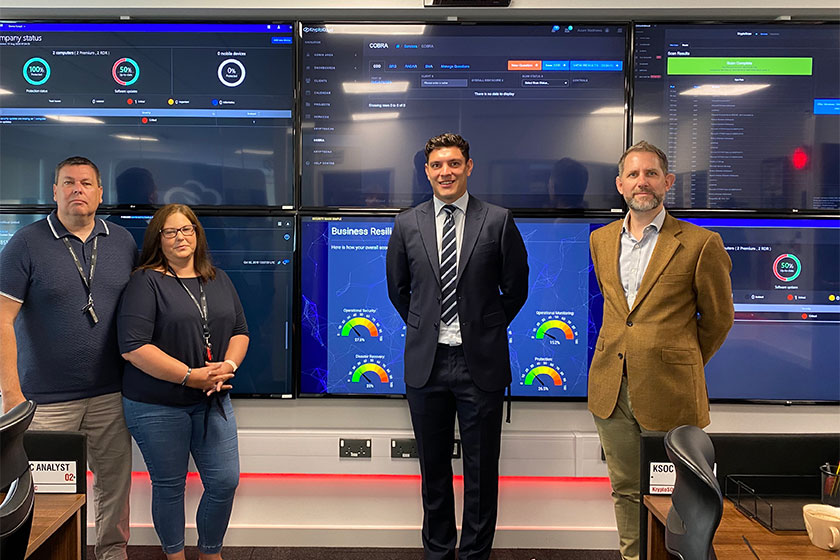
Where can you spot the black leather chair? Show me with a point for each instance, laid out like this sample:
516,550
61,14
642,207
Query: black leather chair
16,480
697,502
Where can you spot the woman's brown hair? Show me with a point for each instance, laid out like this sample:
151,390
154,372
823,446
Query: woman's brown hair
152,255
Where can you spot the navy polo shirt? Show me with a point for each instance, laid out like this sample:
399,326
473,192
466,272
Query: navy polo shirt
62,354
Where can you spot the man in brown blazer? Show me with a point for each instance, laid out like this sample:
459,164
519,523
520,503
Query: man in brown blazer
667,309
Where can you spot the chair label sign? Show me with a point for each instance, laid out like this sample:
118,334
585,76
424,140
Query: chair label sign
662,477
54,477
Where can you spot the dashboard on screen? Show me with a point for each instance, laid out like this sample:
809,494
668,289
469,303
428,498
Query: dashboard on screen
786,290
257,253
352,338
11,223
748,114
542,106
196,113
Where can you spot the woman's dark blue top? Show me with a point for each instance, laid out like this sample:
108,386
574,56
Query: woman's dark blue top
155,309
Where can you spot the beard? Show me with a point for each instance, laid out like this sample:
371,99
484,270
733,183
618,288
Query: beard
639,206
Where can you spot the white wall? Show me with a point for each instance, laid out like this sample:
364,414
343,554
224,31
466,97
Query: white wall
554,442
549,498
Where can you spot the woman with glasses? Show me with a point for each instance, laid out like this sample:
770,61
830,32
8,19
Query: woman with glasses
182,331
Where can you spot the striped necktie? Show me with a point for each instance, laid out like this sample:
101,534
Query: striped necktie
448,267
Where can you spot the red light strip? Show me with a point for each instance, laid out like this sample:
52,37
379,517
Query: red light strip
393,477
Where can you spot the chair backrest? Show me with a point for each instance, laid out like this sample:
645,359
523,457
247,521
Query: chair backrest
766,453
13,460
48,445
44,445
697,502
17,508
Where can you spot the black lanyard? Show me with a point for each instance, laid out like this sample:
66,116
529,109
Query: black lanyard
87,280
202,311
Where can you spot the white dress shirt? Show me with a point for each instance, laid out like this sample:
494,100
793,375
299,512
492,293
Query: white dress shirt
451,334
635,255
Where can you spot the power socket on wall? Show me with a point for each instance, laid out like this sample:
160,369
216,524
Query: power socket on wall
354,448
407,449
404,448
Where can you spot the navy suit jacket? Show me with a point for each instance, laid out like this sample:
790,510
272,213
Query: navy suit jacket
492,286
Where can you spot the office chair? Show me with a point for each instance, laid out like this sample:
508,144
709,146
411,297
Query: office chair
16,480
697,502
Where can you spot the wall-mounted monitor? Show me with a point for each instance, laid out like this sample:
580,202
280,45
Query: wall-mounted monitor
197,113
352,339
749,114
257,253
542,106
786,290
11,223
553,336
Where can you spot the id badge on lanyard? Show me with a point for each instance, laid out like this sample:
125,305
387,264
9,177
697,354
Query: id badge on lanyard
202,311
86,280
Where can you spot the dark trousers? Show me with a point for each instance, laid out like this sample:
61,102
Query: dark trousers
450,390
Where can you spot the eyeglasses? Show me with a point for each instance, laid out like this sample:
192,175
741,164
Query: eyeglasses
170,233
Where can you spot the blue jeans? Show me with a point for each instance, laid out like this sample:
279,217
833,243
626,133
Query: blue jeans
167,435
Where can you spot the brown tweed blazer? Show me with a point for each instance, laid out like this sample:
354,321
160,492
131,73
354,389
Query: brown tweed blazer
681,316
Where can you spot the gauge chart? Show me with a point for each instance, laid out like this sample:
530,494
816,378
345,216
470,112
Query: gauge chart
370,375
555,329
543,377
360,328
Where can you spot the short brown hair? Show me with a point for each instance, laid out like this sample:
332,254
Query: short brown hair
448,140
152,255
644,146
78,160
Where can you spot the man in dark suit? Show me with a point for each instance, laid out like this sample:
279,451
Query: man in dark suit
457,274
667,309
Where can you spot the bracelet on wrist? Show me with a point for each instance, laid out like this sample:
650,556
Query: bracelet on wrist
232,364
186,377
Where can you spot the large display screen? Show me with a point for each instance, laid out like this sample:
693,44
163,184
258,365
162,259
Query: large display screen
786,290
352,338
783,346
11,223
542,106
257,252
196,113
749,114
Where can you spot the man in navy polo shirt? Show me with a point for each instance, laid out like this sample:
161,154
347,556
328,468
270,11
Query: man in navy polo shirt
60,280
